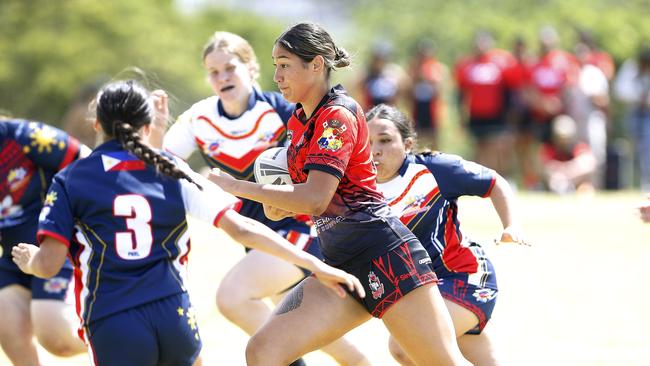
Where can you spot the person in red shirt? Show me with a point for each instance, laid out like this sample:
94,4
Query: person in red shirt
483,94
568,165
330,164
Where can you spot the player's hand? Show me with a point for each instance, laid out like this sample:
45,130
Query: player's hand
161,108
23,255
644,210
224,180
335,279
512,235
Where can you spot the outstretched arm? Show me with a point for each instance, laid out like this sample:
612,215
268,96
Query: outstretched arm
253,234
44,261
503,200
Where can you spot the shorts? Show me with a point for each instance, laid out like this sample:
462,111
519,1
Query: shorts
387,278
161,332
482,128
476,292
58,287
55,288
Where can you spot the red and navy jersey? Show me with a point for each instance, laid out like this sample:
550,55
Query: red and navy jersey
125,227
232,143
424,195
30,154
334,139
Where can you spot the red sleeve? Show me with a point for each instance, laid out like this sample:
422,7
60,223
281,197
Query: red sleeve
236,206
41,234
335,135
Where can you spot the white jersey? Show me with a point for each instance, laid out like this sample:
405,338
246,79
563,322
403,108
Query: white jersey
231,144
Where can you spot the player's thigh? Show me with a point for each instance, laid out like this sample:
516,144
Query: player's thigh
309,317
14,302
259,275
52,311
421,324
462,318
479,349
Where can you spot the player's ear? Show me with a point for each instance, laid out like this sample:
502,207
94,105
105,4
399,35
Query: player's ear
408,144
97,126
318,63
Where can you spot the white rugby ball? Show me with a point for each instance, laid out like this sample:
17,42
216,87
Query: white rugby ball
271,167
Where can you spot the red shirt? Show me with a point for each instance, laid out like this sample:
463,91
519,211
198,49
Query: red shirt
481,80
334,139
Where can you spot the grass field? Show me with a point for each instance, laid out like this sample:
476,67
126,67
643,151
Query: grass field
576,297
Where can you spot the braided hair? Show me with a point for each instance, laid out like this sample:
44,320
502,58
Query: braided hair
123,108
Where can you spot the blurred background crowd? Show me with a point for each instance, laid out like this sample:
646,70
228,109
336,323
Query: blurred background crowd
553,95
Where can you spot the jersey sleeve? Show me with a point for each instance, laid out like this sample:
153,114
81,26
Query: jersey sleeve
334,138
56,219
47,146
283,108
179,139
208,204
458,177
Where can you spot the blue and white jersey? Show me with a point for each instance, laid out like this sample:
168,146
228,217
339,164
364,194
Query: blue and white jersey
424,195
233,143
125,226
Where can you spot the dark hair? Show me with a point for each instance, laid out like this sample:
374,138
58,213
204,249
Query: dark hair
308,40
123,108
400,120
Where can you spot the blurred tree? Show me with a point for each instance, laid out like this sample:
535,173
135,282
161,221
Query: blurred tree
50,49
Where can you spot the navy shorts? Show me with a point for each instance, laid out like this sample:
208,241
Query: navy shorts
160,333
476,292
387,278
55,288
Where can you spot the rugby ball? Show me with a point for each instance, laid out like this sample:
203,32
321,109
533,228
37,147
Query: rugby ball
271,167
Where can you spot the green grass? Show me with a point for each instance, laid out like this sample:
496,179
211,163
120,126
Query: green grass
576,297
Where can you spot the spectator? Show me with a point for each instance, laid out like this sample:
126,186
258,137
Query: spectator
632,87
568,164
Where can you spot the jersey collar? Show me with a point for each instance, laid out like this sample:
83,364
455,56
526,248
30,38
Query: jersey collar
410,158
331,94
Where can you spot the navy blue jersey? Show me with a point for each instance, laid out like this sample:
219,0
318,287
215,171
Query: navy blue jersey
125,227
424,195
232,143
30,154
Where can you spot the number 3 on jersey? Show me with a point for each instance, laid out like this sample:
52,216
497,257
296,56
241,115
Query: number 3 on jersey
135,243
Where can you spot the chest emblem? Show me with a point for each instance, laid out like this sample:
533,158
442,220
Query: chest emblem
331,139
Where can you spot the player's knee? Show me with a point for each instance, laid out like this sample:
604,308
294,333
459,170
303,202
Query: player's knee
398,353
228,302
261,352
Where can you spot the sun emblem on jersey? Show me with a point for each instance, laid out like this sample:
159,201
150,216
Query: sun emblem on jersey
8,209
331,138
43,138
484,294
50,199
376,287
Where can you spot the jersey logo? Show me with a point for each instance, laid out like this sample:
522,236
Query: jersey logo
55,285
121,160
8,209
484,294
331,138
43,138
376,287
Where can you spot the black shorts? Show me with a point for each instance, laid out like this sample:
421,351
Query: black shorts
389,277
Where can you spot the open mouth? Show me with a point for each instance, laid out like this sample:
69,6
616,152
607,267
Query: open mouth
227,88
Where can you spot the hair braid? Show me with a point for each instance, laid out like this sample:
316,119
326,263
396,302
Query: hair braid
131,141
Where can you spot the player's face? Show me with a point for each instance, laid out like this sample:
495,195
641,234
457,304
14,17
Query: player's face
229,78
388,148
292,75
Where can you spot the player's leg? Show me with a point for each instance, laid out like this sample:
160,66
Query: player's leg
55,323
308,318
345,353
422,325
242,290
16,326
479,349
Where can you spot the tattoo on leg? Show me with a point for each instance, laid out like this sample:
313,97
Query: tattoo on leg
292,301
